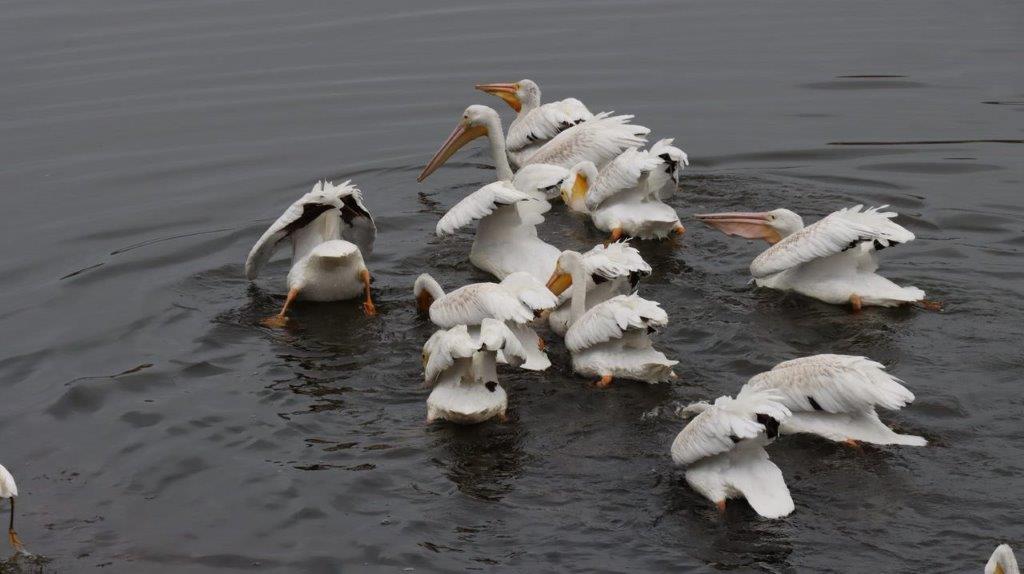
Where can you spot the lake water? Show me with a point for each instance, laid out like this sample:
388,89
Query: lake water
154,426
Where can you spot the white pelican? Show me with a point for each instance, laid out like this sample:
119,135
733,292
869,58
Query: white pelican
461,366
9,490
626,196
613,269
597,140
514,302
611,339
723,450
330,230
1002,561
535,124
833,260
834,396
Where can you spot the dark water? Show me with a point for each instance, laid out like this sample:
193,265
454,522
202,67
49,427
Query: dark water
154,426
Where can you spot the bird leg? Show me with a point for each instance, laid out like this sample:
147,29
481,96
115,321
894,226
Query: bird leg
615,236
12,536
502,418
368,305
281,319
929,305
855,303
721,506
855,445
679,229
604,381
541,344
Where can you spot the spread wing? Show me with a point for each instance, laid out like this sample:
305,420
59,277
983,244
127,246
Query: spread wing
358,225
540,178
529,290
721,425
615,260
471,304
834,384
478,205
598,140
839,231
443,348
622,174
496,336
664,180
545,122
611,319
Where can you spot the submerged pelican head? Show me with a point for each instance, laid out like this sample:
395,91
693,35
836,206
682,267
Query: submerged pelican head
524,93
475,122
772,226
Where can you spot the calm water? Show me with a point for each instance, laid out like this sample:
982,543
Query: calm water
154,426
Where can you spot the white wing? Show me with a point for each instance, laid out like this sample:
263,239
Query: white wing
496,336
356,222
443,348
834,384
617,259
609,320
673,160
540,178
622,174
598,140
839,231
530,291
471,304
478,205
720,426
545,122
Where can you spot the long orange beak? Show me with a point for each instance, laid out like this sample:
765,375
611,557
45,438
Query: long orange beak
506,92
559,282
459,137
749,225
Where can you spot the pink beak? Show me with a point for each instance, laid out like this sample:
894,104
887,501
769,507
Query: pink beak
749,225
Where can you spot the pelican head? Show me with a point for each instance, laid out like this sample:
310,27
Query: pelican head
475,122
575,187
772,226
524,93
1002,561
569,264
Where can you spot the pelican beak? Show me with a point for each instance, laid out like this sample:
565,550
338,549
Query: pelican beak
559,282
580,187
506,92
460,136
749,225
999,569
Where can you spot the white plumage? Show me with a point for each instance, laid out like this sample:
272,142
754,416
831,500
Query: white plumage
625,197
1002,561
506,238
611,338
833,260
513,302
613,269
723,449
597,140
460,364
834,396
8,489
330,230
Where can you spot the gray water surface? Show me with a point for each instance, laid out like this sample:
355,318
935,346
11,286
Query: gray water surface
155,426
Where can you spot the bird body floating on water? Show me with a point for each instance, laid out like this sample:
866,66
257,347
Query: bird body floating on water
625,198
613,269
833,260
723,451
461,365
514,302
330,231
611,339
9,490
834,396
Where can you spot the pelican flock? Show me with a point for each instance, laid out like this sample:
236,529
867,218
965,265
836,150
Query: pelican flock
589,295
